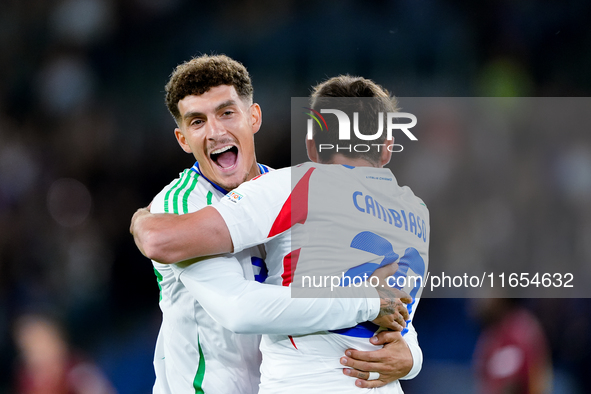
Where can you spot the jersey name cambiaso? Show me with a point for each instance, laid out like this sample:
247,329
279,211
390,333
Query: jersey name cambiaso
322,221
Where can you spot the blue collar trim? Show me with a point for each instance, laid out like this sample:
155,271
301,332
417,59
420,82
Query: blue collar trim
198,171
264,169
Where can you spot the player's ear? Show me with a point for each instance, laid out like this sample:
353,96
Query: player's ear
386,155
257,117
312,152
180,137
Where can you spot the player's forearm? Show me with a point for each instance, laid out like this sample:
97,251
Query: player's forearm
170,238
249,307
297,316
255,312
156,236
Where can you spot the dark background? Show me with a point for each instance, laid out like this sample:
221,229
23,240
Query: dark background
85,139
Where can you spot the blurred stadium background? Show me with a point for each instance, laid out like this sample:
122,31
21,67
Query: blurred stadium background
85,139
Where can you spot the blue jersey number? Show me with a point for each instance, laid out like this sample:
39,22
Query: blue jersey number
380,246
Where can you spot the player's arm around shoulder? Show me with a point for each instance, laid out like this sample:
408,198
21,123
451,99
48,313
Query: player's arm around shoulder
169,238
142,234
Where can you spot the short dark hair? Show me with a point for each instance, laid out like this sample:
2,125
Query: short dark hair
202,73
327,94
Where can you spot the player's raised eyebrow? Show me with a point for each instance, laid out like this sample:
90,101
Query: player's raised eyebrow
225,104
195,114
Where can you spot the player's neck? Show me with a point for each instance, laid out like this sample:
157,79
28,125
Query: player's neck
349,161
254,171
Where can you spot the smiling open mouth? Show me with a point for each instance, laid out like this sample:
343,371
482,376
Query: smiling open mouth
225,157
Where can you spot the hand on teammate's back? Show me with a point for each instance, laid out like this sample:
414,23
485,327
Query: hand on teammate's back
393,311
392,362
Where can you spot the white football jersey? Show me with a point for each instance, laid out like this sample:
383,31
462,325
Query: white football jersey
194,353
207,307
329,221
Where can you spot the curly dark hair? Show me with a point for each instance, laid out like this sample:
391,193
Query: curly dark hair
202,73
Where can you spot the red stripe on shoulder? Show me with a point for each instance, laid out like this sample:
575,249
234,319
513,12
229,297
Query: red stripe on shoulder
287,218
